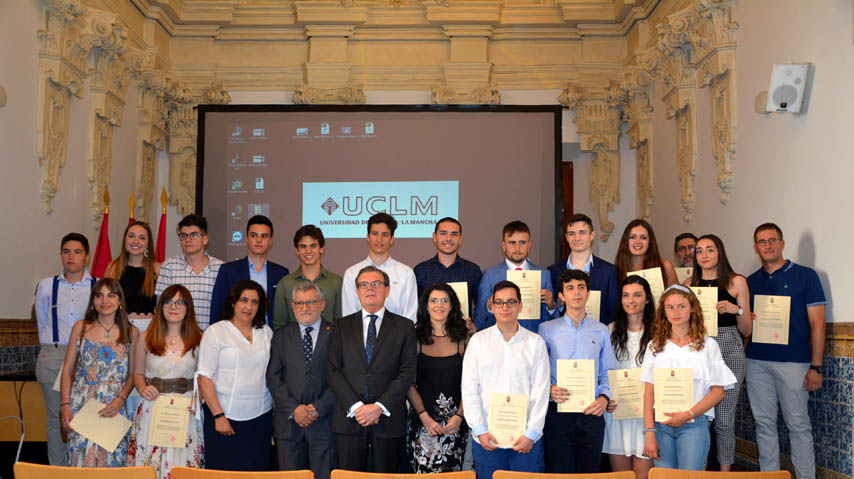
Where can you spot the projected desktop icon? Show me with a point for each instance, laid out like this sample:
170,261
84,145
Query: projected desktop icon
236,184
258,132
369,128
237,131
236,236
324,128
329,206
259,183
345,130
259,209
237,211
258,159
236,158
302,131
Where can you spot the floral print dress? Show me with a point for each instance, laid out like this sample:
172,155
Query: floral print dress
102,371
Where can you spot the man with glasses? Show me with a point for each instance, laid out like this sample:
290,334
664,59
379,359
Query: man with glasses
683,249
371,365
255,266
193,268
503,360
783,375
296,377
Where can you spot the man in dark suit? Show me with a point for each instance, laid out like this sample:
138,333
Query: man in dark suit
259,241
603,275
370,367
296,376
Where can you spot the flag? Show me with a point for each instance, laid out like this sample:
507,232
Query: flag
103,255
160,249
131,204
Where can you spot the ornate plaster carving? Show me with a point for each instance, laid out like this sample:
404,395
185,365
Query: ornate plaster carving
443,95
638,114
349,95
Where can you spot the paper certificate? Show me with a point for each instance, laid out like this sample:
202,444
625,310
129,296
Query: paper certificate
508,417
106,432
594,302
529,283
56,383
683,273
674,391
628,392
655,280
579,377
462,290
169,419
772,319
708,298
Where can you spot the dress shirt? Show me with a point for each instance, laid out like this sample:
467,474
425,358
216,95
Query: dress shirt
315,331
71,302
461,270
590,340
493,365
176,270
525,266
586,267
237,368
366,322
403,293
259,277
328,282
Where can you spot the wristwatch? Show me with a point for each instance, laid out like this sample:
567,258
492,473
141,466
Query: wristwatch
819,369
741,311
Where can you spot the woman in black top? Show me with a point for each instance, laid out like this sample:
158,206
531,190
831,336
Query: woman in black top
136,270
437,431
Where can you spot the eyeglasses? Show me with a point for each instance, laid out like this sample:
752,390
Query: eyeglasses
373,284
769,242
194,235
310,303
501,304
439,300
175,303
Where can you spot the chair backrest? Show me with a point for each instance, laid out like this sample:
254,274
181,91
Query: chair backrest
26,470
531,475
342,474
180,472
663,473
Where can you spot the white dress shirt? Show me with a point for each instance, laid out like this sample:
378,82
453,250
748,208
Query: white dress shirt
518,366
237,368
366,322
403,293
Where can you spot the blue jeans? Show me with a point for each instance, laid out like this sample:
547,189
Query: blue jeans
487,462
683,447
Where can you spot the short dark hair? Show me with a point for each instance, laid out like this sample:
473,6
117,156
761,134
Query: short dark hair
372,269
514,227
570,275
448,219
193,219
504,284
682,237
75,237
260,318
384,218
767,226
259,220
312,231
579,217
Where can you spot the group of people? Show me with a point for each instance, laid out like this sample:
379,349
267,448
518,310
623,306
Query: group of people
346,381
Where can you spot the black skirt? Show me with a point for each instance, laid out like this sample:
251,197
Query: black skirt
249,449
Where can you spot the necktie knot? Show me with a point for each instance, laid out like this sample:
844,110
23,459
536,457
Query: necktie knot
309,329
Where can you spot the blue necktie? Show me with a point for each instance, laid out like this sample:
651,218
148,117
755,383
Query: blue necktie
306,345
372,337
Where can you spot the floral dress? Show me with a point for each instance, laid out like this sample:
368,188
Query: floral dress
172,365
437,380
102,371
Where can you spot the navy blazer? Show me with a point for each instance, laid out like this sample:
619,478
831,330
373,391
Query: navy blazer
603,277
484,319
232,272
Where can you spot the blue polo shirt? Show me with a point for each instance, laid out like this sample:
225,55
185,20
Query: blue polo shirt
802,285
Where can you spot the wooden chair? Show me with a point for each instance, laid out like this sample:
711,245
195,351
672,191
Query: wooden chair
664,473
180,472
531,475
342,474
26,470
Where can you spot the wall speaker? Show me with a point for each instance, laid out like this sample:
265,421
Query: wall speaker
789,89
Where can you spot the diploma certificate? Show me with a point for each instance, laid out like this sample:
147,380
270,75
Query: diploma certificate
579,377
106,432
529,283
169,420
628,392
462,290
594,302
772,319
683,273
674,391
708,298
655,280
508,417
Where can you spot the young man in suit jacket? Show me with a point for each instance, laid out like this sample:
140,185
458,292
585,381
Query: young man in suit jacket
296,376
371,365
259,241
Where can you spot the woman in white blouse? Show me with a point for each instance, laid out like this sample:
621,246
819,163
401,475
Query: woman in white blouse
233,360
679,341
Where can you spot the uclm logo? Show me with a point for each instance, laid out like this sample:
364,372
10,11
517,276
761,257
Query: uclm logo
394,205
329,206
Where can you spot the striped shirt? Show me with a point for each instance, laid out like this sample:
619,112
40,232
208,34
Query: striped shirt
176,270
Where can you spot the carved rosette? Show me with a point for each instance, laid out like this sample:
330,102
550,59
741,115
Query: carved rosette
442,95
350,95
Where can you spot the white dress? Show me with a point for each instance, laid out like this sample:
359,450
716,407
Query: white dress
625,437
169,366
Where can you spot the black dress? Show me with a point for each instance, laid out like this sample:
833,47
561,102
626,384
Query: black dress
437,381
133,277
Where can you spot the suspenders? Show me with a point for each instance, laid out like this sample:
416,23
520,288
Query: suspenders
53,296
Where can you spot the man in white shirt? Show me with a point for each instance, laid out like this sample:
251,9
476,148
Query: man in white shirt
506,359
403,294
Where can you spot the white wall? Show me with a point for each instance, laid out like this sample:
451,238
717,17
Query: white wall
793,170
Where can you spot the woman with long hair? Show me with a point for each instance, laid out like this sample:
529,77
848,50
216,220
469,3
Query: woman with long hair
233,357
712,269
679,340
638,250
630,335
165,364
99,359
136,270
437,431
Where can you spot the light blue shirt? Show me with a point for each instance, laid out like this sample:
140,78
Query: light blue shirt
259,277
71,302
590,340
313,334
586,267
